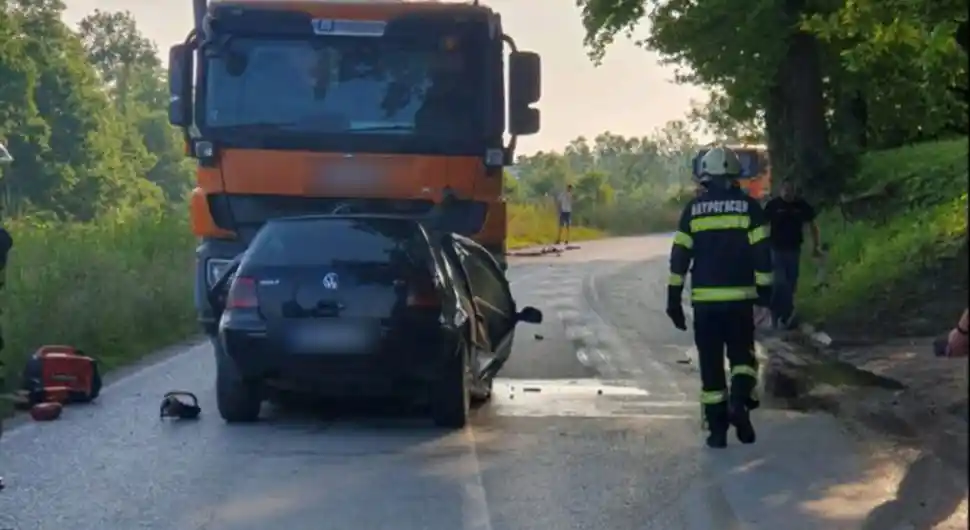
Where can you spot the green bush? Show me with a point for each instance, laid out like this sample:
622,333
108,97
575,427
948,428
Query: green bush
117,287
627,218
893,263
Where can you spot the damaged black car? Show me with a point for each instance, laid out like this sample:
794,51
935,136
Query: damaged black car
362,305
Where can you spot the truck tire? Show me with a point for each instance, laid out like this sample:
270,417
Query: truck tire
238,400
451,397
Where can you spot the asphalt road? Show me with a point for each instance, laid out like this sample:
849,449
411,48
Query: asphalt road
594,426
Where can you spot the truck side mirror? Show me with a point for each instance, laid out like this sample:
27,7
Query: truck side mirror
180,70
524,121
525,88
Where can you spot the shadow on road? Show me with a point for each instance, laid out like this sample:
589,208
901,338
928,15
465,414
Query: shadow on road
927,496
805,474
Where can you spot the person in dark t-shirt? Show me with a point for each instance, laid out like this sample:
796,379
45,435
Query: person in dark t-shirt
787,215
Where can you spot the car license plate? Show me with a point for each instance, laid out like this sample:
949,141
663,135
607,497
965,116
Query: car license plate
330,338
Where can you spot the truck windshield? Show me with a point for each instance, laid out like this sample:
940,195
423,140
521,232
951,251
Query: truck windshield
343,85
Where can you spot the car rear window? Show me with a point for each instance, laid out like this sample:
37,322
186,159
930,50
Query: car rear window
323,241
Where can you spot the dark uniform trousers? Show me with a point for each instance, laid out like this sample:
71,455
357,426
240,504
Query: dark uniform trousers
719,328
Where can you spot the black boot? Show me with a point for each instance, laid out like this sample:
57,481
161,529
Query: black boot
742,402
717,421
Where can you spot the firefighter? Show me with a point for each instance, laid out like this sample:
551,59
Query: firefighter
722,233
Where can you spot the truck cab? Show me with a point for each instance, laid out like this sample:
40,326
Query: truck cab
318,106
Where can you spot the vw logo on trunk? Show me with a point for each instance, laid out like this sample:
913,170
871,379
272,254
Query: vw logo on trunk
330,281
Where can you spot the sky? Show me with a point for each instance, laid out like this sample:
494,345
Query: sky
629,94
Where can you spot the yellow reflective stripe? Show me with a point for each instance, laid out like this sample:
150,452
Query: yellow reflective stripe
684,240
722,294
676,280
758,234
720,222
763,278
744,369
713,398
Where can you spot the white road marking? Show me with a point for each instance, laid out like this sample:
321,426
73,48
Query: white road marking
583,398
474,503
622,349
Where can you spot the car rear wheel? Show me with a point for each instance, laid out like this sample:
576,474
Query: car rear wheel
237,399
482,392
451,399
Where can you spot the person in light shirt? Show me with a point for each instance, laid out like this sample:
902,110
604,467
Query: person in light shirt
564,204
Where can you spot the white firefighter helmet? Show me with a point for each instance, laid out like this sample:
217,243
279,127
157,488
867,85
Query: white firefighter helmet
720,162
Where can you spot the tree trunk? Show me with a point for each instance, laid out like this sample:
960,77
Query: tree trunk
813,157
779,129
779,133
850,111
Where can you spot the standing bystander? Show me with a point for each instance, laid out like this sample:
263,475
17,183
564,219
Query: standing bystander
564,205
787,215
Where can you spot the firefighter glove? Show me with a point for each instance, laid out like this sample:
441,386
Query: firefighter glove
675,308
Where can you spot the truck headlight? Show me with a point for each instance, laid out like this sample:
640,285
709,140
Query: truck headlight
214,268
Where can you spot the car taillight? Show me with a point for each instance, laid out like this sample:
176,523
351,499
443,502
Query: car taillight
242,294
422,292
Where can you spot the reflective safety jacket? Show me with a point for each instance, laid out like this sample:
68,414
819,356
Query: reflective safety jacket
722,241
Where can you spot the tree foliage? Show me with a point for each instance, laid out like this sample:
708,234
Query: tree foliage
81,112
821,80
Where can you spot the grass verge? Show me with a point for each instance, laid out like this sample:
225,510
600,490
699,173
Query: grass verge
900,268
634,217
117,288
530,225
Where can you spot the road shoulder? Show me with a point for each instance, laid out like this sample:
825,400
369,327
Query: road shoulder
906,408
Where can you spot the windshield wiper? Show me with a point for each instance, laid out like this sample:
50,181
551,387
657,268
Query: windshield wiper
258,127
399,127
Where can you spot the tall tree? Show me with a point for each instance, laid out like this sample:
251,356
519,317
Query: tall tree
118,50
90,162
825,78
128,64
751,55
21,128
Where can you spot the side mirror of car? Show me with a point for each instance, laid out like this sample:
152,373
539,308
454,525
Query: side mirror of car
530,315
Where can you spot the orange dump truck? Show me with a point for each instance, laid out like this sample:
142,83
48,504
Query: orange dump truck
756,175
318,106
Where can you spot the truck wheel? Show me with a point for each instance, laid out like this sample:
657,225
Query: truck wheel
238,400
451,398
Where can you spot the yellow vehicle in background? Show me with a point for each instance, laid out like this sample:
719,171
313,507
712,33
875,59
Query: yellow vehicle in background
756,174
